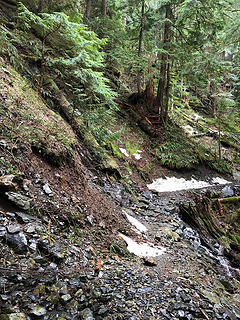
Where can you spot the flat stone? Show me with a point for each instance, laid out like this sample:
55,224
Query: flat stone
30,229
13,228
25,218
19,200
10,214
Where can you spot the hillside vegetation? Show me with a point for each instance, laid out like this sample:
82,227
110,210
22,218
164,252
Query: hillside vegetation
97,101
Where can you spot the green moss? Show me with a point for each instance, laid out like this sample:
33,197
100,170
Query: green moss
26,118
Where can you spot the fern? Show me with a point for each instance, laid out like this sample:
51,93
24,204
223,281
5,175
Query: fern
76,55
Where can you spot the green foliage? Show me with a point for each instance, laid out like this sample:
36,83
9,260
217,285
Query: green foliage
177,152
115,151
8,49
74,51
235,238
100,121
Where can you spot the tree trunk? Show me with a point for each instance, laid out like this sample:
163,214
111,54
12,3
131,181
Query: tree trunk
140,45
162,99
88,9
104,8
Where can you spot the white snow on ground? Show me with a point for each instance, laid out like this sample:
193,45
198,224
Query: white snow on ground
136,155
124,151
137,224
142,249
218,180
175,184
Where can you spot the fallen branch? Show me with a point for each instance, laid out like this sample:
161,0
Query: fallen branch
220,207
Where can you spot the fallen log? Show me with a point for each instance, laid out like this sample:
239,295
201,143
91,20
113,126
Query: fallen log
227,200
210,132
201,218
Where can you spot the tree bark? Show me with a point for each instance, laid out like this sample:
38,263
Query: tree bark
104,8
140,44
88,9
162,99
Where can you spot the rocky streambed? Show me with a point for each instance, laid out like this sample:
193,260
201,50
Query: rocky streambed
45,274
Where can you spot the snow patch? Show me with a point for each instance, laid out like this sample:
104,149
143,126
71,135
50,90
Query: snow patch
137,224
218,180
124,151
175,184
137,156
142,249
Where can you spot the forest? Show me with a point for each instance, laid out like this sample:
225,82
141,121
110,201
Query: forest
119,159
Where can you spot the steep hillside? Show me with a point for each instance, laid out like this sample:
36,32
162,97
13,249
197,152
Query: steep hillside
107,213
42,158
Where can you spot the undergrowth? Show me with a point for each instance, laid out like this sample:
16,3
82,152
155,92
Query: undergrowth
176,151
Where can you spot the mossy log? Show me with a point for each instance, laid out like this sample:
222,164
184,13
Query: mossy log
229,143
224,140
227,200
200,217
106,162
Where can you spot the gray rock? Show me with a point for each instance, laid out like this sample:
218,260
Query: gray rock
87,314
7,183
33,245
13,228
227,191
10,214
19,200
56,252
90,219
3,231
236,311
17,241
30,228
66,297
25,218
38,311
181,313
47,189
3,143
